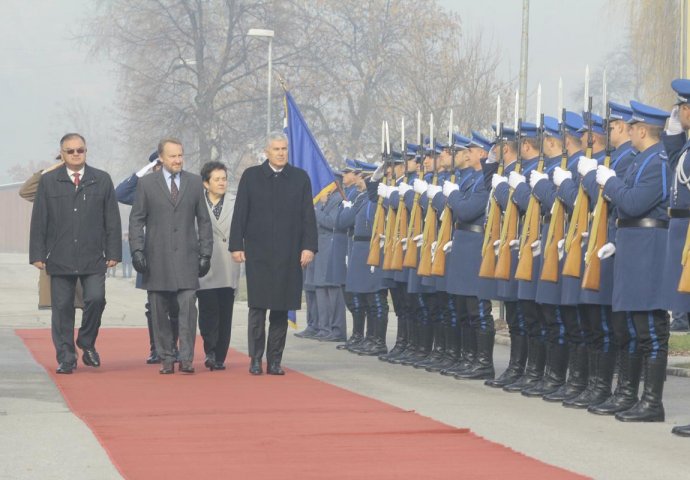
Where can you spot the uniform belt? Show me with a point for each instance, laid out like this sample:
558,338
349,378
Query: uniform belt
641,223
362,238
470,227
679,212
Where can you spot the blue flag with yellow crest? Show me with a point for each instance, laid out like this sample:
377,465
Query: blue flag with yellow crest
304,152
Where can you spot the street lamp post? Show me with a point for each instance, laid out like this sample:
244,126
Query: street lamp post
260,32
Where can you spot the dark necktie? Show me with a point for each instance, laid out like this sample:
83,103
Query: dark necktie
173,188
76,179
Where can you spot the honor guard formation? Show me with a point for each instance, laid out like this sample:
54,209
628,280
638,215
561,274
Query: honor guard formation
577,223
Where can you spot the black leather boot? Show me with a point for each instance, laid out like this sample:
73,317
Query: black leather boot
468,351
536,358
451,351
483,368
601,366
357,336
379,347
412,342
554,372
400,341
625,396
516,364
426,340
438,352
650,407
577,375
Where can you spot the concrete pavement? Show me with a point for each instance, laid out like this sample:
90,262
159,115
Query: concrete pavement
41,438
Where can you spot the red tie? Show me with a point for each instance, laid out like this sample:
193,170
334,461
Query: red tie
76,179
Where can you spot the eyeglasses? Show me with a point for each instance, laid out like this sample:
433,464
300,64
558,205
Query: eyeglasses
72,151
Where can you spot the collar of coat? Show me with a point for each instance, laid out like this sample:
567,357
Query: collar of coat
88,178
268,171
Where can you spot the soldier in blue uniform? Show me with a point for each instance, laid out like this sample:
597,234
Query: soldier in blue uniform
402,304
677,146
566,182
614,334
467,199
641,198
363,281
526,290
548,294
506,291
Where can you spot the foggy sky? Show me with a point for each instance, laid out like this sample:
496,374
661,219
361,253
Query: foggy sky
43,70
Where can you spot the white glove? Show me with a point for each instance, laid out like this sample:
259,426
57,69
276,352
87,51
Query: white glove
535,176
515,179
347,204
606,250
586,165
449,187
146,169
493,157
403,188
382,240
536,248
433,190
603,174
419,186
674,125
559,175
497,245
497,179
382,190
448,247
514,244
404,243
378,173
561,248
419,239
433,250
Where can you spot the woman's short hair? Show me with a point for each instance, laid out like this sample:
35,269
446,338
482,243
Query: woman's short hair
209,167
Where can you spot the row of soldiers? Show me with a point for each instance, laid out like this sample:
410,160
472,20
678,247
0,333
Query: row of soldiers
579,226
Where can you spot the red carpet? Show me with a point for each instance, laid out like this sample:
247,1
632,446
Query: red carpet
232,425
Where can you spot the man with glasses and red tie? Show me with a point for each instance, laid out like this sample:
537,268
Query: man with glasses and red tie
75,234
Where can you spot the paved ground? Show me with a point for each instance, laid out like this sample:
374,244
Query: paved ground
41,438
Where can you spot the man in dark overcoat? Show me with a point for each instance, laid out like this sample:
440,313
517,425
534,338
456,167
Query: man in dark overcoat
75,234
173,254
274,231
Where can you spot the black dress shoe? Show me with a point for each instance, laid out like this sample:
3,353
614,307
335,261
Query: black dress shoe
186,368
306,333
218,366
65,368
333,338
681,430
167,369
210,361
255,367
275,370
176,354
153,358
91,357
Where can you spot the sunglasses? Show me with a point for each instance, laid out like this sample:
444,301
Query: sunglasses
72,151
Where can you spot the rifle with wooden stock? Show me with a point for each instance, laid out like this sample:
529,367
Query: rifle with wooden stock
579,218
532,223
492,225
684,282
391,225
550,269
598,233
430,227
414,229
511,219
378,227
401,220
445,231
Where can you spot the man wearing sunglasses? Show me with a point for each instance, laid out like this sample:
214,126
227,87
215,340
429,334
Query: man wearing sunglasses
75,234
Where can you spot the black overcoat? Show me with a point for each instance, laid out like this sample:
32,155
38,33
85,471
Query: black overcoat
75,230
272,223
